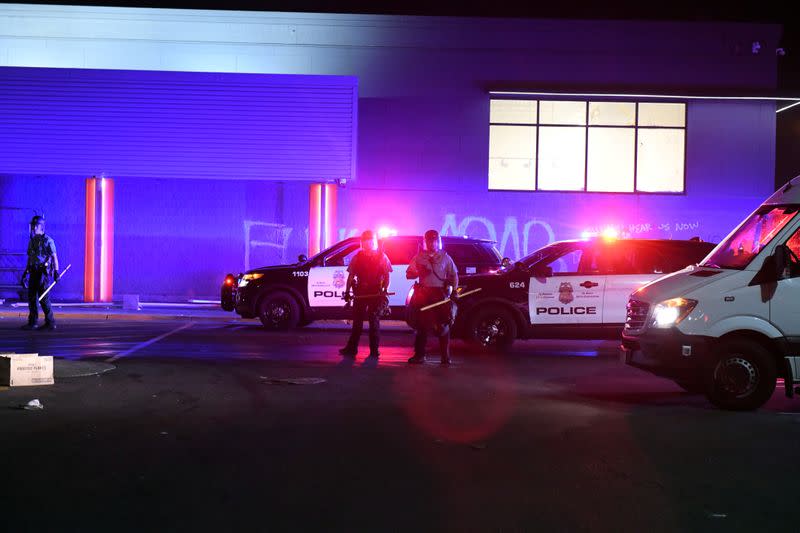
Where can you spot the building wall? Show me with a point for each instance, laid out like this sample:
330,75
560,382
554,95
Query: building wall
423,129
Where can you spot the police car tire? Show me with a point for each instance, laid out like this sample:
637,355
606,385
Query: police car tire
743,357
279,298
488,313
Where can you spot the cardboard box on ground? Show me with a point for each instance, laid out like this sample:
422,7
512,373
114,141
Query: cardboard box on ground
25,369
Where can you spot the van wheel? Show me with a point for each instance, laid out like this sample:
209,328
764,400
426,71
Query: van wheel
492,328
743,377
279,311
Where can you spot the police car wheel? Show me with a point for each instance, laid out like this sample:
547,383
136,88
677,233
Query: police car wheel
492,328
279,311
743,377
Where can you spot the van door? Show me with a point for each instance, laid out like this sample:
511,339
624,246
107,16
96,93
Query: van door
784,307
628,265
573,294
328,277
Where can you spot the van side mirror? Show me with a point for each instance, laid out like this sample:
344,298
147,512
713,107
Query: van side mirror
505,263
776,267
302,258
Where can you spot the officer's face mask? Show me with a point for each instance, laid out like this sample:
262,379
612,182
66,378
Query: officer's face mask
433,245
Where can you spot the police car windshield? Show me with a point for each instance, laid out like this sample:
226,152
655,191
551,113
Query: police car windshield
744,244
541,254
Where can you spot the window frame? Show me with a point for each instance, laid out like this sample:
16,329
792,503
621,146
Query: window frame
538,124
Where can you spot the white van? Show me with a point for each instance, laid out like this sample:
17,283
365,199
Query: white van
730,326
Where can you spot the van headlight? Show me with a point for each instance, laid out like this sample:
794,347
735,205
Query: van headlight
671,312
247,278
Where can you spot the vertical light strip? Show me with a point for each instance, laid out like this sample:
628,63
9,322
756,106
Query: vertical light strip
88,255
331,191
106,239
315,219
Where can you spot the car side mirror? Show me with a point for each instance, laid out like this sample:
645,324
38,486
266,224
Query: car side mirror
302,258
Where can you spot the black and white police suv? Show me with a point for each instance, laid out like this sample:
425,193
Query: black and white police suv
286,296
567,289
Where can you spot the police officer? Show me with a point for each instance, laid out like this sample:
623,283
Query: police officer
438,279
367,283
41,266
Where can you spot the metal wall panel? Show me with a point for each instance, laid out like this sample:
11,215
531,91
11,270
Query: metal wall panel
145,124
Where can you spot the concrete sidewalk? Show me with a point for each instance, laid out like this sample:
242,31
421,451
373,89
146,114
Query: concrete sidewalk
162,311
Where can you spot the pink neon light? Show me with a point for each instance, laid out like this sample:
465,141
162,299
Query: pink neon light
88,255
315,218
106,239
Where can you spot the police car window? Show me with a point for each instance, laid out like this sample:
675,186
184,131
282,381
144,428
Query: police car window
618,258
342,256
400,251
566,263
462,253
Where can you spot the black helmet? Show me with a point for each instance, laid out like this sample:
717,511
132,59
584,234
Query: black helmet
432,241
35,221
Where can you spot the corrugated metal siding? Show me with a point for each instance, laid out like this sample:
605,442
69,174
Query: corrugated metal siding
177,124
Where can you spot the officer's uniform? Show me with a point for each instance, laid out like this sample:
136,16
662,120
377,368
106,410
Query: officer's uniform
371,271
437,273
41,249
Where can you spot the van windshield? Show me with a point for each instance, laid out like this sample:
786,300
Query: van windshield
744,244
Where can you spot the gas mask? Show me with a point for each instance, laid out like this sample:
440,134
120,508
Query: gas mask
432,242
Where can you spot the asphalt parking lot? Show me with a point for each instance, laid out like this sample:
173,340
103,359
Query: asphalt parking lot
195,429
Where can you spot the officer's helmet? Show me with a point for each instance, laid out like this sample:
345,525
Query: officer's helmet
432,241
369,241
35,222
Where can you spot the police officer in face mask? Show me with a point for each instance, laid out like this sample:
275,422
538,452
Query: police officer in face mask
438,279
367,284
41,266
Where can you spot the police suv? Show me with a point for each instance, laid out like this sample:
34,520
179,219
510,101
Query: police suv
286,296
575,289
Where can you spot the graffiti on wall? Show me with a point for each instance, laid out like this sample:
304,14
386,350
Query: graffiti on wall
516,240
267,242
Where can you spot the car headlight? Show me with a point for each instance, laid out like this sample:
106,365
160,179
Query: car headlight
247,278
672,312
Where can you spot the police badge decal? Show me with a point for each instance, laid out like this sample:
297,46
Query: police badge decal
338,279
565,293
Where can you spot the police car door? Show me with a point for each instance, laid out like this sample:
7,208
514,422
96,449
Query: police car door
628,266
573,293
327,278
399,251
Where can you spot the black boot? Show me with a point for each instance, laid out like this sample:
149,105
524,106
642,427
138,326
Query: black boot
444,349
348,352
417,359
29,327
48,326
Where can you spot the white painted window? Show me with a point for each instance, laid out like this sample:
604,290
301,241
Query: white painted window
594,146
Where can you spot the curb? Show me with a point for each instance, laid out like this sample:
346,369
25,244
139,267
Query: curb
23,315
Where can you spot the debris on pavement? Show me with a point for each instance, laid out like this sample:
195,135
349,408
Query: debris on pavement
292,381
33,405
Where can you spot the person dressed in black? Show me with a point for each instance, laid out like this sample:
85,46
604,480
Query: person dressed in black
438,280
367,283
41,266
